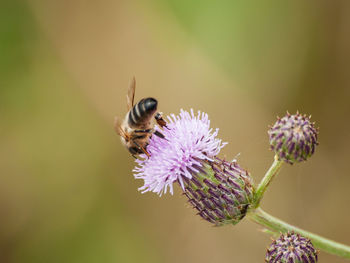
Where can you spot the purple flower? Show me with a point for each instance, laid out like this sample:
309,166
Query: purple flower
220,191
188,142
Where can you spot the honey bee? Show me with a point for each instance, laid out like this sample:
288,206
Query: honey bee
138,124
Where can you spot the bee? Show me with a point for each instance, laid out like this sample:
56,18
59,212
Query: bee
138,124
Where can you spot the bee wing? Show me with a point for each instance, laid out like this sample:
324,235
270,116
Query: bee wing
118,127
131,94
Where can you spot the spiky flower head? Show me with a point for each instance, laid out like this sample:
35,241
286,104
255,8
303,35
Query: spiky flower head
219,190
293,138
291,248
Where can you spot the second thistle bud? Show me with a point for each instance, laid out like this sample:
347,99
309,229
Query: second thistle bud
293,138
291,248
220,191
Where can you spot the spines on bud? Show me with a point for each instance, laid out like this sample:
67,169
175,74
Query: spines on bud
293,138
221,192
291,248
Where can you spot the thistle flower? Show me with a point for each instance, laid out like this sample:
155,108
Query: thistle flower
291,248
293,138
219,190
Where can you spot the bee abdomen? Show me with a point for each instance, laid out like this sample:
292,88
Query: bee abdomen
142,112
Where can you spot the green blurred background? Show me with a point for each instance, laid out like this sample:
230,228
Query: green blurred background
67,193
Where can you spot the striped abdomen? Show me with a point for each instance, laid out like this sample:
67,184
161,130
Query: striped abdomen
142,112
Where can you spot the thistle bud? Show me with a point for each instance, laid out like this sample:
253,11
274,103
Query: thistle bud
220,191
293,138
291,248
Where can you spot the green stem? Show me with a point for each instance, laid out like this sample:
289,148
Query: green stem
270,174
275,224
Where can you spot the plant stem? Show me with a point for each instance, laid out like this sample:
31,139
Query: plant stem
261,217
270,174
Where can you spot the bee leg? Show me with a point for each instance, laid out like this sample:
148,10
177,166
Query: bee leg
159,134
143,131
161,122
142,149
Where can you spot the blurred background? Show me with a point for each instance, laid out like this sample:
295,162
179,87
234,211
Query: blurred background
67,193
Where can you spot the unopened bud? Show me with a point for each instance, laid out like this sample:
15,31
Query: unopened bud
291,248
293,138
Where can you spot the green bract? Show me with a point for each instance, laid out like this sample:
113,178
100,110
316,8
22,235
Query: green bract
220,191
